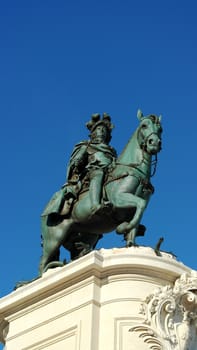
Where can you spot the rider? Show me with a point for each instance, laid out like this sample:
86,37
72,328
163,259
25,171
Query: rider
92,158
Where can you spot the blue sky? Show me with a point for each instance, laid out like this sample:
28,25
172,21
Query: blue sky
61,61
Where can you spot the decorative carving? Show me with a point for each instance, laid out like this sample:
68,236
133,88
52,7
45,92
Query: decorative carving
171,316
149,337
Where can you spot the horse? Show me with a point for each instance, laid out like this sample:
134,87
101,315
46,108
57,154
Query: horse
127,189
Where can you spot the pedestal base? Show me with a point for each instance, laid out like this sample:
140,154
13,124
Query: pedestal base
116,299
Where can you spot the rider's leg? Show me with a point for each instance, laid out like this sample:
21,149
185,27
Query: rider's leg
96,181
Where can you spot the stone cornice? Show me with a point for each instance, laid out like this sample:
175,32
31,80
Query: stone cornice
131,262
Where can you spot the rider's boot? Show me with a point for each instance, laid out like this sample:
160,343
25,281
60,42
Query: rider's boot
96,181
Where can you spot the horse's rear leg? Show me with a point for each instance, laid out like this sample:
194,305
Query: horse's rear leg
53,238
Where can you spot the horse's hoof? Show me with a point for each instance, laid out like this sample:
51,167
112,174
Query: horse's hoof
84,252
53,264
129,244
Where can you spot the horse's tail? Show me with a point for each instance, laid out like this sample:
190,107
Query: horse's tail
44,228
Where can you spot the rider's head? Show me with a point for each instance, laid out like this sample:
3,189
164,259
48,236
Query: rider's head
100,128
100,134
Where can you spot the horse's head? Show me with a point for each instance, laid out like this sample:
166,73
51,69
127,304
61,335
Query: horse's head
149,133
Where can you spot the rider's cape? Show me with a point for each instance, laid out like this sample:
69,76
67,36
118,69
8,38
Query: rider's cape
78,155
55,204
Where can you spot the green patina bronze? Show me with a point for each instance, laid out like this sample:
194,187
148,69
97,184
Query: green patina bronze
103,192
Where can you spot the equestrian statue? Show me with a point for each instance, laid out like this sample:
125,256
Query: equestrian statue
103,192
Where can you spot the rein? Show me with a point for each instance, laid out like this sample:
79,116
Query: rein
136,165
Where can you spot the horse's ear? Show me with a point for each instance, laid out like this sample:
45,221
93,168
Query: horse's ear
160,118
140,115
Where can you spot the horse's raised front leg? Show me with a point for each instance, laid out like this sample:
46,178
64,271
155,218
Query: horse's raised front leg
130,201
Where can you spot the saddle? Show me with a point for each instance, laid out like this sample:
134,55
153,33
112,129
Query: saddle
75,187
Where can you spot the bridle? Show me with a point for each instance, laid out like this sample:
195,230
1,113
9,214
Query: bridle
153,162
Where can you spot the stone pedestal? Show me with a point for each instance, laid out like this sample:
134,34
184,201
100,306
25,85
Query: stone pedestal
116,299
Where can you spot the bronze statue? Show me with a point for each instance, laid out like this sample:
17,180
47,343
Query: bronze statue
102,192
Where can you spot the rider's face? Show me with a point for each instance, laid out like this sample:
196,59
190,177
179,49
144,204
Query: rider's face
100,133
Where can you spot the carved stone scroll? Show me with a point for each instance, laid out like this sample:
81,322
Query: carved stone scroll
171,316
